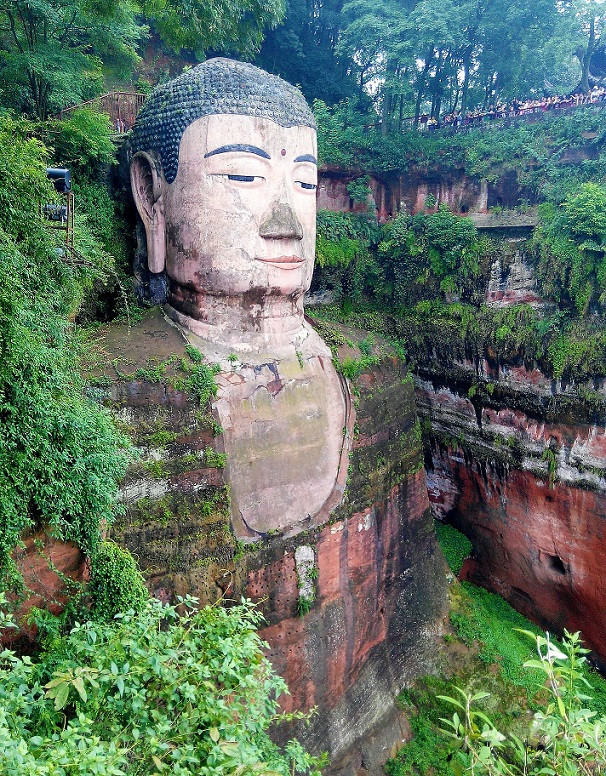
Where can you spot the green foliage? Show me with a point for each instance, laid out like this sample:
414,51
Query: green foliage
116,584
53,50
570,250
586,214
58,52
551,458
82,141
442,334
334,226
341,134
352,368
304,605
566,737
201,382
433,255
486,619
345,264
216,24
165,689
455,545
214,459
534,152
337,254
359,189
60,455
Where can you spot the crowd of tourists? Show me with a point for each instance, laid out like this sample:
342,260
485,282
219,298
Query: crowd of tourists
515,108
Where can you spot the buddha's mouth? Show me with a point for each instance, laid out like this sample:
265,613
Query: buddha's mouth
283,262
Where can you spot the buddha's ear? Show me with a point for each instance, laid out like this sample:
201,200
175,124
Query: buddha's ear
146,183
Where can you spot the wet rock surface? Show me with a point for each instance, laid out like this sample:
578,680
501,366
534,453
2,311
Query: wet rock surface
354,605
521,470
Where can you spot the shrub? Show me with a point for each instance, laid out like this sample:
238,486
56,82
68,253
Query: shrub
116,583
159,691
82,142
566,736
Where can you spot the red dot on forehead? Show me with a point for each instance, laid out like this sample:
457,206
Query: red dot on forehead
283,152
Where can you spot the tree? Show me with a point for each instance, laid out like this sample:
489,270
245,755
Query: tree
200,25
590,18
57,52
54,51
427,56
304,50
60,455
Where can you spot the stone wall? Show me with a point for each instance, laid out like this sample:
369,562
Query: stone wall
520,468
462,193
354,606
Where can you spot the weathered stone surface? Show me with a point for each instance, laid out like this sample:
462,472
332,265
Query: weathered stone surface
47,566
371,575
287,427
539,546
373,627
528,487
517,285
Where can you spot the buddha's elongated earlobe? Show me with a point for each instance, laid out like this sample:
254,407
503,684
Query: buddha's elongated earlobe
146,184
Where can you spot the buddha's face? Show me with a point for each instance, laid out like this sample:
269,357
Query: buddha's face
240,215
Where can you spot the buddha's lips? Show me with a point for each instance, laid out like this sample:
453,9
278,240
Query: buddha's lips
284,262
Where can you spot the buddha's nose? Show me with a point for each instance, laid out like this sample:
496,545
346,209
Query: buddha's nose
281,222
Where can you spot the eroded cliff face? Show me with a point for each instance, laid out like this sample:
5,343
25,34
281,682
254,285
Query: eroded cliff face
518,463
353,606
48,567
392,193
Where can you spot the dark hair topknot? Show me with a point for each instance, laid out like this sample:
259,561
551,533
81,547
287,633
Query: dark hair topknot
217,86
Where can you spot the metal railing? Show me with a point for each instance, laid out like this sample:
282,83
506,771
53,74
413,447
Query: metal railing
503,119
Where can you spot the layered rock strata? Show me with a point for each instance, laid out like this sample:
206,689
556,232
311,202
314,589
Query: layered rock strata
518,463
353,604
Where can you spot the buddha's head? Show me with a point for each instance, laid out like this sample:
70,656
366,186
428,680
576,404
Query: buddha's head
224,174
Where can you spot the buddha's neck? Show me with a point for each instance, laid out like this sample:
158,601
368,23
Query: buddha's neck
252,321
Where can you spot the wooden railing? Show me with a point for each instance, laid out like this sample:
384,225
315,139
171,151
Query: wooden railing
121,107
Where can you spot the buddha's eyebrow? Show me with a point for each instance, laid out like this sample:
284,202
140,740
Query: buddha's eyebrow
307,158
249,149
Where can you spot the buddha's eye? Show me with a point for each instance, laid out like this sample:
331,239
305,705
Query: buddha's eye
306,186
245,178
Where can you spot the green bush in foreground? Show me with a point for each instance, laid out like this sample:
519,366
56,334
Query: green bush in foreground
156,692
566,737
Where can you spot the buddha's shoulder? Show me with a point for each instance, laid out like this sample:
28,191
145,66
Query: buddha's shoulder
135,343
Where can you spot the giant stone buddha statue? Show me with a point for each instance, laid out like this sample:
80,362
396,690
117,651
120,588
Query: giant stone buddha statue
224,174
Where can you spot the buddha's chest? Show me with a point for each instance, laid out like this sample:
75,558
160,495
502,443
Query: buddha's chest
285,434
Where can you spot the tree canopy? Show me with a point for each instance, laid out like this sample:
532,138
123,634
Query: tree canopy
58,52
435,56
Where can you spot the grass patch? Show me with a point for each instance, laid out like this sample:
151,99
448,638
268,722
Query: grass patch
455,546
483,651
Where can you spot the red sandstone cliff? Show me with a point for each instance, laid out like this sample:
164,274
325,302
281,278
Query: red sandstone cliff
372,574
522,472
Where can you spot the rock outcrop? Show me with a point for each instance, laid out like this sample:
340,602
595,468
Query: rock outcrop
354,605
519,465
516,285
51,571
